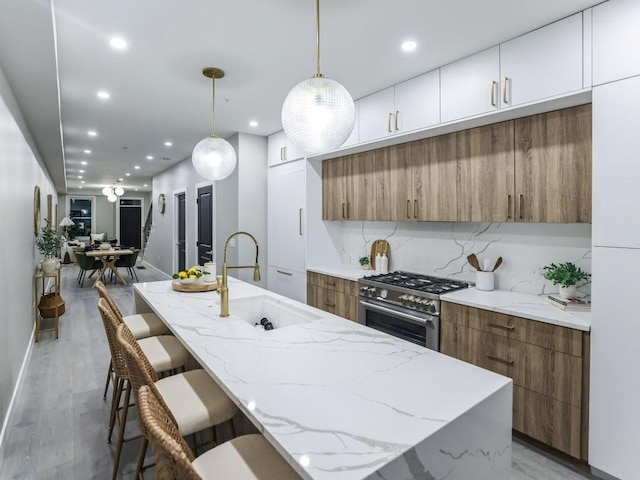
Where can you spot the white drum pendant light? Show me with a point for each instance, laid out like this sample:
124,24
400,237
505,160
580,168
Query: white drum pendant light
213,158
318,114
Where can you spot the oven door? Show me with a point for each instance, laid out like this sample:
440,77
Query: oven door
416,327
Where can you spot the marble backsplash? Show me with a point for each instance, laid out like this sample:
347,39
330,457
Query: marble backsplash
441,249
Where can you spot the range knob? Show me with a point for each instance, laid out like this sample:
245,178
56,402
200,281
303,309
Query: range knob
411,298
403,297
383,293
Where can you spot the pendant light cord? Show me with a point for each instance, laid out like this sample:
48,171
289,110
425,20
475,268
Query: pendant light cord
318,74
213,108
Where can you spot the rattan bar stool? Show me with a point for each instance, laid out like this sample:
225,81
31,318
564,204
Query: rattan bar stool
164,353
142,325
193,398
248,457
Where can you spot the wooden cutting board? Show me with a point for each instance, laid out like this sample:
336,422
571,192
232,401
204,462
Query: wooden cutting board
195,287
379,246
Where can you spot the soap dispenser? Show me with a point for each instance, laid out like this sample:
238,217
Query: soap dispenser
384,264
378,263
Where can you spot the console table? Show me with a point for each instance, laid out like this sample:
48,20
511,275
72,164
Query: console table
39,288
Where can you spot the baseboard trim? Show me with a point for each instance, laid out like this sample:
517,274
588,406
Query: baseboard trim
8,419
152,267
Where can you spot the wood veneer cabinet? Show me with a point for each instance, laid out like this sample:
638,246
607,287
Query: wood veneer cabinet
333,295
348,187
549,366
416,181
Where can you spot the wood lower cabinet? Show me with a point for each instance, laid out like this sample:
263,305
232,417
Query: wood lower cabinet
549,366
333,295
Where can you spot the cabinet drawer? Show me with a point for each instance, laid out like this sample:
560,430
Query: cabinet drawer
550,421
341,285
547,372
340,304
561,339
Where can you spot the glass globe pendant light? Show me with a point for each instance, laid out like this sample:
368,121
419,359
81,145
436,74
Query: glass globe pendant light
318,114
213,157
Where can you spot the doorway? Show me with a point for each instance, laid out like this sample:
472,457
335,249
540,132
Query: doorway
205,224
181,200
130,222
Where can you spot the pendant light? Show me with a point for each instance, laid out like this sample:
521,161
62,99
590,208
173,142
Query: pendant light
213,157
318,114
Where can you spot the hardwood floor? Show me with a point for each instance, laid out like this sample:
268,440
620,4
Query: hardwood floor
59,424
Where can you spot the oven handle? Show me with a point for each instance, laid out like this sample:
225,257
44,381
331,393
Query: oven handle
395,312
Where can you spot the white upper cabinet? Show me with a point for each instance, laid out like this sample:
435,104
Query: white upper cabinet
375,115
542,63
354,137
616,166
280,149
410,105
616,40
470,86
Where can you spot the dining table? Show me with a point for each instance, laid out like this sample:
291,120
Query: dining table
108,257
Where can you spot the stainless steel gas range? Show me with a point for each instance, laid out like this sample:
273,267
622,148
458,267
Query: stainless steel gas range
405,305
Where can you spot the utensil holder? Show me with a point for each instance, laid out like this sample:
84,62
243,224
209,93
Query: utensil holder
485,280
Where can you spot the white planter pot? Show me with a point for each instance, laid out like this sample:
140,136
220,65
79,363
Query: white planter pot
567,292
49,265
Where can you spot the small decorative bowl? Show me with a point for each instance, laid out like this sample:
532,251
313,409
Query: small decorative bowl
105,246
191,281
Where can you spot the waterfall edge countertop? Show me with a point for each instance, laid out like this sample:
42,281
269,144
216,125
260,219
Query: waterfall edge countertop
340,400
532,307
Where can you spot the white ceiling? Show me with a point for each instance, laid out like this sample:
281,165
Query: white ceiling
265,47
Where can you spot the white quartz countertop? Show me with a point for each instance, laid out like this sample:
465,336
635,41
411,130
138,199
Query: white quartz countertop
534,307
337,399
348,272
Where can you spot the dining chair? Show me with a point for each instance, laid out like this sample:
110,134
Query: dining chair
193,398
164,352
86,263
129,262
248,457
142,325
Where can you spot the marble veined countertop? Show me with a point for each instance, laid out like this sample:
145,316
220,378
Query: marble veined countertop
533,307
340,400
348,272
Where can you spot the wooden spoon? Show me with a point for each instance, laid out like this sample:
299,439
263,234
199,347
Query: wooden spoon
498,263
473,261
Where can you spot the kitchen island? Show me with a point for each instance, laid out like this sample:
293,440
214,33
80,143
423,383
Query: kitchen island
340,400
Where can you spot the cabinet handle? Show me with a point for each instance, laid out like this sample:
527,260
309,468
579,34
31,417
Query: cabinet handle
415,209
285,273
389,122
330,305
330,284
343,210
505,80
285,153
498,359
503,327
408,208
521,206
509,206
282,154
348,209
300,221
493,93
397,116
210,252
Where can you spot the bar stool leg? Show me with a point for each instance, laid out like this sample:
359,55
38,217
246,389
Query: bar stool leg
123,424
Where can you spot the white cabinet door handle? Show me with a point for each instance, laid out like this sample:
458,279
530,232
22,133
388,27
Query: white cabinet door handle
300,221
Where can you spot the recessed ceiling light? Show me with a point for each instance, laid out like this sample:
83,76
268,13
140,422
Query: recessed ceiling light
81,171
127,174
121,179
149,157
79,176
168,144
79,186
137,167
83,162
409,46
118,43
87,151
136,189
81,181
145,185
92,133
103,95
253,123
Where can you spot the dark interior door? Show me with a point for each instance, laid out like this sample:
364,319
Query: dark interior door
205,224
182,243
130,223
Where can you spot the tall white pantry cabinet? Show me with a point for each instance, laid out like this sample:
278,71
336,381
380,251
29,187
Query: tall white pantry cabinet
614,430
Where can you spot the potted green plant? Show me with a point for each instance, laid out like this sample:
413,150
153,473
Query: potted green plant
567,275
364,263
49,243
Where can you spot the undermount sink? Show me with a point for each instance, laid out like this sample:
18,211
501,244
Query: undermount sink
280,313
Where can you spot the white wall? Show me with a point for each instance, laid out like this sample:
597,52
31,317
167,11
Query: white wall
20,172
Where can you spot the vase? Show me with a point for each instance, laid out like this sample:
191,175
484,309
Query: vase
567,292
49,265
